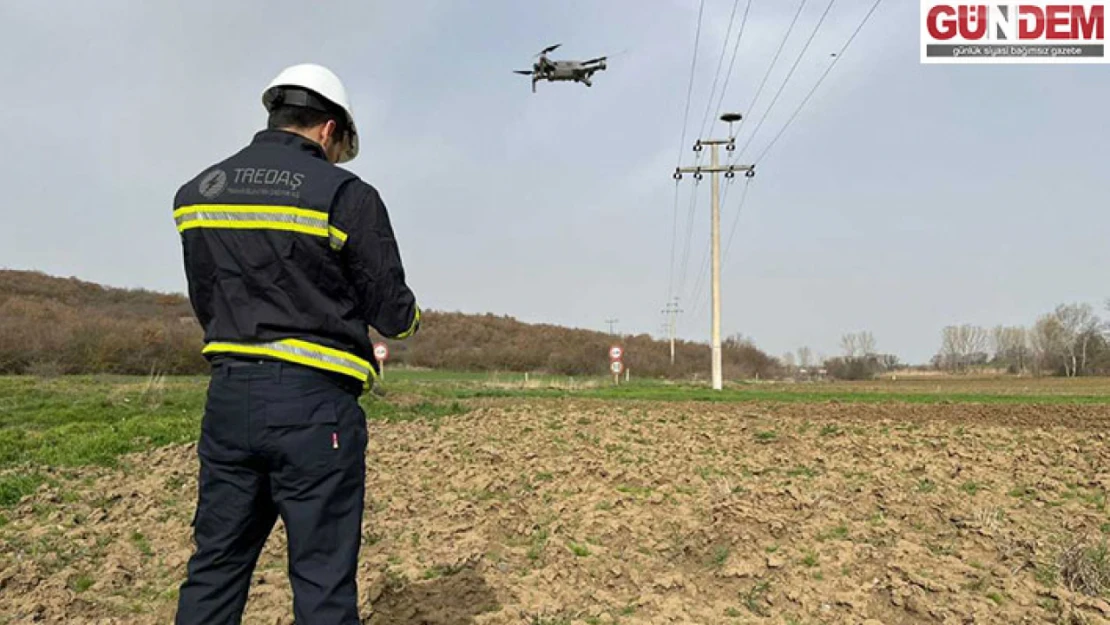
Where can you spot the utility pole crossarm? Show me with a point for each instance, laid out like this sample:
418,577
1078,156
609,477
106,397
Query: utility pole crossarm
720,169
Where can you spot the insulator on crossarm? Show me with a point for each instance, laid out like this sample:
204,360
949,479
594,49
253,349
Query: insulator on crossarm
677,175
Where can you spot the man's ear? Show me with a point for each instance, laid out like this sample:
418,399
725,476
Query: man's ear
327,132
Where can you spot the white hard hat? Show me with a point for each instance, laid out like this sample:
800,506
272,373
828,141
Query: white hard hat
323,82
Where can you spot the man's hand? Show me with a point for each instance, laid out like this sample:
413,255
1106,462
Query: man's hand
377,389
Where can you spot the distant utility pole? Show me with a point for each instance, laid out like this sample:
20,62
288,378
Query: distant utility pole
715,169
611,323
671,311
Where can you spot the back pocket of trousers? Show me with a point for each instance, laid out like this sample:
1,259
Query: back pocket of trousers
305,434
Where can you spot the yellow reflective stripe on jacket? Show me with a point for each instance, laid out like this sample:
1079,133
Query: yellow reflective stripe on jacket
252,208
259,217
302,353
337,238
412,328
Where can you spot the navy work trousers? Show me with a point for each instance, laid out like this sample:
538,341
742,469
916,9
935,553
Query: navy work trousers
277,439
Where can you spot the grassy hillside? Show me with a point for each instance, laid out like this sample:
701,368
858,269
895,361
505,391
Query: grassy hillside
52,325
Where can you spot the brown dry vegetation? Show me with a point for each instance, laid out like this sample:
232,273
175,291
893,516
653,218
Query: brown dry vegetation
575,511
462,342
59,326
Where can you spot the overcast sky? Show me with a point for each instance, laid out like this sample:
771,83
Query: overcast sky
904,197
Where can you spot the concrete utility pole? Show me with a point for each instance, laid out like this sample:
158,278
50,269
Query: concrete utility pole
715,169
671,311
611,322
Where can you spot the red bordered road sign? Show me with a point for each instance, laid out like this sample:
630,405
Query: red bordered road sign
381,352
616,367
616,352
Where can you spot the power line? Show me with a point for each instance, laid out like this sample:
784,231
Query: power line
839,55
736,217
699,302
774,60
674,242
717,73
786,81
690,86
732,62
703,266
715,169
689,236
681,145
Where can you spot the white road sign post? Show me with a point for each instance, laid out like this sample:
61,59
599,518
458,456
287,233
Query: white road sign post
616,367
381,354
616,362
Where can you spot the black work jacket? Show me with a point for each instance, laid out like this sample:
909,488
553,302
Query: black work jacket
289,257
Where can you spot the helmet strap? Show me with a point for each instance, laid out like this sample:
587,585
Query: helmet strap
287,96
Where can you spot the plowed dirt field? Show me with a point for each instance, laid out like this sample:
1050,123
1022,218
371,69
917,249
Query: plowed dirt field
575,511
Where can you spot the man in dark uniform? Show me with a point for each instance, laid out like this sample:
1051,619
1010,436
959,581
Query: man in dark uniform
289,258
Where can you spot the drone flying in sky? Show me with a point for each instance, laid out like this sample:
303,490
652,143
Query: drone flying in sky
558,71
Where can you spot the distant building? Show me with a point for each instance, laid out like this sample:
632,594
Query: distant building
812,374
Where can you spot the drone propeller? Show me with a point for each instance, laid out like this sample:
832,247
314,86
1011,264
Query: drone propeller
549,49
525,72
597,60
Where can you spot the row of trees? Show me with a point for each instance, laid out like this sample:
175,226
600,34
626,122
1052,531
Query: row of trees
1072,340
499,343
859,360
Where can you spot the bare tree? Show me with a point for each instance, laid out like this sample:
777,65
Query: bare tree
788,360
1078,323
855,345
1047,341
805,357
974,340
849,344
1010,346
949,355
960,346
998,343
888,362
866,342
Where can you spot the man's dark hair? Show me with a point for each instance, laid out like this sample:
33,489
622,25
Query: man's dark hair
291,116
